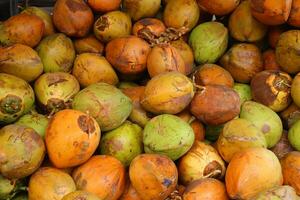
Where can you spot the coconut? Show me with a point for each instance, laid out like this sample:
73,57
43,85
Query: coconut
295,89
201,161
107,104
73,17
23,29
181,13
252,171
124,142
138,9
264,119
278,193
244,91
243,61
104,5
90,68
153,176
54,91
283,147
290,164
286,51
80,194
22,151
35,121
218,7
57,53
150,26
16,98
293,135
272,88
243,26
168,135
112,25
200,40
21,61
88,44
294,14
290,115
239,134
175,95
44,16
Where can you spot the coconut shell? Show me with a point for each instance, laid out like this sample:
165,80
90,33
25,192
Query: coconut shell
243,61
271,12
247,164
215,104
21,61
287,54
164,58
201,161
290,168
90,68
45,183
128,54
207,188
104,5
88,44
211,74
73,17
22,151
22,28
153,176
106,180
175,95
218,7
272,88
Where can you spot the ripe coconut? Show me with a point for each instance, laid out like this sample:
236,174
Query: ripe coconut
88,44
218,7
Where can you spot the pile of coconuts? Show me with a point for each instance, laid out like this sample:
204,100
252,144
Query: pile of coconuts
151,100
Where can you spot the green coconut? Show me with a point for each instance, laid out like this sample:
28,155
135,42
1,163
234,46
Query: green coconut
54,91
294,135
21,61
35,121
106,103
244,91
124,142
168,135
16,98
264,119
209,42
57,53
239,134
284,192
22,151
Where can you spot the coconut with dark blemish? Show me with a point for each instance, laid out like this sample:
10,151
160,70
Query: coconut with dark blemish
239,134
50,183
23,29
21,61
138,9
112,25
164,58
106,180
106,103
243,61
201,161
148,26
57,53
124,142
73,17
138,114
206,188
209,42
88,44
282,147
215,104
36,121
284,192
54,91
168,135
71,138
265,119
272,88
80,195
181,13
170,93
22,151
288,51
153,176
16,98
128,55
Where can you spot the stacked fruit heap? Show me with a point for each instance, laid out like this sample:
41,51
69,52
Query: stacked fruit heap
111,100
